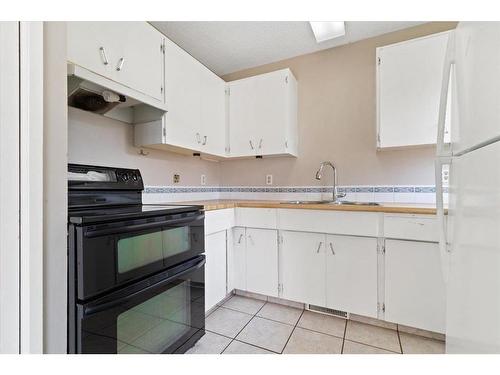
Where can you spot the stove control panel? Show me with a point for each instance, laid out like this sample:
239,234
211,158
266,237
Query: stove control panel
85,177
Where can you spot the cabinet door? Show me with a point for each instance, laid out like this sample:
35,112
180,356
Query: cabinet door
302,267
409,78
91,45
237,262
215,269
242,129
271,112
141,50
414,285
182,95
213,113
262,261
351,274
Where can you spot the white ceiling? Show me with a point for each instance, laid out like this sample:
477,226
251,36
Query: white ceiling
226,47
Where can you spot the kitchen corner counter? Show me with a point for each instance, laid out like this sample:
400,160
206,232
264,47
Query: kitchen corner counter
402,208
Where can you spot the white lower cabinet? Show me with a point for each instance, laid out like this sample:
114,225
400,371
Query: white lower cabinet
237,264
262,261
351,274
414,285
215,268
253,261
302,267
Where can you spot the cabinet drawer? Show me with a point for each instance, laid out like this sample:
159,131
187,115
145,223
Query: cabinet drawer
334,222
218,220
256,217
411,227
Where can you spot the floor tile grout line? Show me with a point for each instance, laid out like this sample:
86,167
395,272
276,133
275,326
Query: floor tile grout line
257,346
343,338
399,339
372,346
293,330
234,338
232,309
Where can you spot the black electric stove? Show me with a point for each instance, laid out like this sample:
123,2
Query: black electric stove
135,271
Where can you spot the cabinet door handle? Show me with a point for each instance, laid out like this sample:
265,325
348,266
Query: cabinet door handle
251,144
104,56
319,247
120,64
260,144
241,237
198,138
331,248
204,140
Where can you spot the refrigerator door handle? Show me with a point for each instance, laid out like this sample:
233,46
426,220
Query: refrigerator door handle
443,99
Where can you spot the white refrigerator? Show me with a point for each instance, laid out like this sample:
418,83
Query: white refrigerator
470,232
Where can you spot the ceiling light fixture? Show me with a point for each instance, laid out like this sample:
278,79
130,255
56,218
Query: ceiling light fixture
327,30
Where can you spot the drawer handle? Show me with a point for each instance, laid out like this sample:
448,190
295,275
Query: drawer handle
198,138
204,140
251,144
120,64
104,56
319,247
241,237
260,144
331,248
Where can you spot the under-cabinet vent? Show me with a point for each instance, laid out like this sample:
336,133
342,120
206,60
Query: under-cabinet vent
325,310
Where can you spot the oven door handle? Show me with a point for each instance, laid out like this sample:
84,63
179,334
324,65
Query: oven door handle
91,310
128,228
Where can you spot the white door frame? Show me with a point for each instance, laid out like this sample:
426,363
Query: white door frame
9,188
31,186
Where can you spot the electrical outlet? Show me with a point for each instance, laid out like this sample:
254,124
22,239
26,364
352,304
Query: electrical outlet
269,179
177,178
203,179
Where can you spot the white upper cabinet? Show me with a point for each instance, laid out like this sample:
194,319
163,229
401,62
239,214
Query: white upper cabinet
183,97
130,53
263,115
212,113
196,103
409,80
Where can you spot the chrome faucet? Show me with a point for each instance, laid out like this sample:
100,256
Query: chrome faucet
319,174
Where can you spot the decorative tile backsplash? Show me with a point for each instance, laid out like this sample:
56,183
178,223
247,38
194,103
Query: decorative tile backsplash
382,194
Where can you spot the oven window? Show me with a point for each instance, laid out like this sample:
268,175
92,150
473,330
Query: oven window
157,323
176,241
144,249
137,251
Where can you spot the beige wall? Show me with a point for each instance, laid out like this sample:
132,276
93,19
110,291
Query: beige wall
94,139
337,121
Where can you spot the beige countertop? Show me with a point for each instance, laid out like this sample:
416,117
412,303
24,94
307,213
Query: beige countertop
403,208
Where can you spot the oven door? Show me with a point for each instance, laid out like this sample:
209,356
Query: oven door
113,254
162,314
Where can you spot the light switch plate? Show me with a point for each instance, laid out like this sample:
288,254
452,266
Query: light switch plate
177,178
269,179
203,179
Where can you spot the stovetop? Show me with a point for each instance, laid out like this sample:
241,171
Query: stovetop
101,214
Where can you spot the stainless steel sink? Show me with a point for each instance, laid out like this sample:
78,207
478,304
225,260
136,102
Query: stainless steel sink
351,203
305,202
340,203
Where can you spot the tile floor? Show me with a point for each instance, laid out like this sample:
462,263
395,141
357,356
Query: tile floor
244,325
